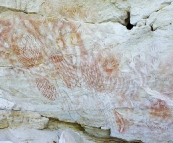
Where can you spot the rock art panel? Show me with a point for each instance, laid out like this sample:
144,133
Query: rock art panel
46,88
64,63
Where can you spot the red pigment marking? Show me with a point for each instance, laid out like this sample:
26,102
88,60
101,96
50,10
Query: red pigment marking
66,71
121,122
29,51
160,110
27,57
67,33
63,62
31,26
6,28
67,41
101,70
46,88
108,63
5,38
56,58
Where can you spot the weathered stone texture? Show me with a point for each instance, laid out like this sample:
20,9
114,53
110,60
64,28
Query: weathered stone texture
104,64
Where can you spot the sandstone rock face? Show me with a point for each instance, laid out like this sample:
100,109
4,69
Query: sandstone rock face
70,136
105,64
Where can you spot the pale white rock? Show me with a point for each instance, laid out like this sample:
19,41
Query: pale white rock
23,135
75,61
6,142
162,22
5,104
26,5
86,11
69,136
143,9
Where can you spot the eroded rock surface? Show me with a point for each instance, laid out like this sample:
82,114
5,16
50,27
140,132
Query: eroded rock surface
78,61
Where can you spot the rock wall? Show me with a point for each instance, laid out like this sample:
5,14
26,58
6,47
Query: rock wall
105,65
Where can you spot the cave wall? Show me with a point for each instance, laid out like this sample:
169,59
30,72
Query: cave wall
105,65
